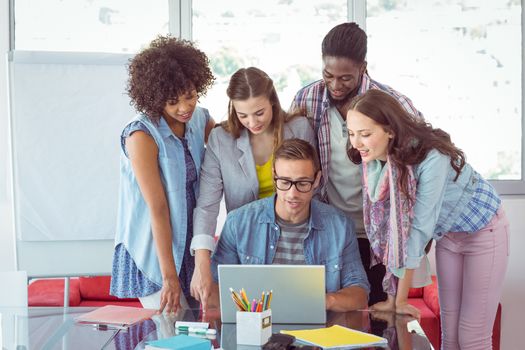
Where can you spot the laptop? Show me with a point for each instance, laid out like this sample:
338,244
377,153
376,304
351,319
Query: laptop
298,291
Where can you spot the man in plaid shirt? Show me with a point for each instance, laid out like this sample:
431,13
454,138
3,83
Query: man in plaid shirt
325,103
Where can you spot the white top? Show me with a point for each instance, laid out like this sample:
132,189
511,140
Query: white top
344,187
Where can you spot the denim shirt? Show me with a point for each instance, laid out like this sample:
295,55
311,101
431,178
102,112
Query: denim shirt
250,235
133,220
439,202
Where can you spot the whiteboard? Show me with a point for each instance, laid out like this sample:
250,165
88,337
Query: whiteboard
66,114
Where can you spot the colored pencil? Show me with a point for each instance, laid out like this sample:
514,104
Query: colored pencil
237,300
244,296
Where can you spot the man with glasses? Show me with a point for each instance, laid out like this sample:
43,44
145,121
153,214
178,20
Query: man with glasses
293,228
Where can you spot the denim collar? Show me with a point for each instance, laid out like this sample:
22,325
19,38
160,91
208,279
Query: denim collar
165,130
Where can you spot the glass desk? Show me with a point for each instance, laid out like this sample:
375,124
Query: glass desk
53,328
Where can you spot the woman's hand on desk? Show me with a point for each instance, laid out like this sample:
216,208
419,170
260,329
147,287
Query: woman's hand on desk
170,295
201,281
388,305
407,309
403,308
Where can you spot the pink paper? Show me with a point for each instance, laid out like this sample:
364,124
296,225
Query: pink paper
118,315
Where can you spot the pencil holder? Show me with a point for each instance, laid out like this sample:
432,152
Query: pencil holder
254,328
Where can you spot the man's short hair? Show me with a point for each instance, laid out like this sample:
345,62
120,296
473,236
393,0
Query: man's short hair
297,149
345,40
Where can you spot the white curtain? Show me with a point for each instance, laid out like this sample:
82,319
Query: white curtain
67,112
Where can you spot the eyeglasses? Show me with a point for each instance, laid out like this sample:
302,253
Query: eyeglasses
303,186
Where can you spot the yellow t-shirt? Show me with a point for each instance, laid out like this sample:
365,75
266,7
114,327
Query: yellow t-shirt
265,177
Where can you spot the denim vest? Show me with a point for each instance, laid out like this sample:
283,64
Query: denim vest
250,236
133,220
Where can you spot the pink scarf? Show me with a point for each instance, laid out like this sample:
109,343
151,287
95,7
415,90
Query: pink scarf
387,217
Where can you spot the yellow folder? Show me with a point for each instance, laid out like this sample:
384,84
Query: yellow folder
337,337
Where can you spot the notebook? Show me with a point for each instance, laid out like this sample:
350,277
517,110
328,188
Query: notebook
337,337
116,315
298,291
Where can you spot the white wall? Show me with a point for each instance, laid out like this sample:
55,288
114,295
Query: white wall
514,289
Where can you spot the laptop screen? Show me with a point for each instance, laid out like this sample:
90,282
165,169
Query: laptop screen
298,291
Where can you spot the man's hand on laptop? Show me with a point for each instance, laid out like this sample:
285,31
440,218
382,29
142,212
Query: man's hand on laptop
347,299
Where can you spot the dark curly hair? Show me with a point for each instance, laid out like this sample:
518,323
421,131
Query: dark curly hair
166,69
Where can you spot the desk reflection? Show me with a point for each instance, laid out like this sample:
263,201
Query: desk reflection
387,325
54,328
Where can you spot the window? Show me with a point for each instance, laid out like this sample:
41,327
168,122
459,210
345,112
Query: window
460,63
281,37
116,26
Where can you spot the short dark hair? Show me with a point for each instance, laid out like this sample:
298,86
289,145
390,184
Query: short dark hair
164,70
297,149
345,40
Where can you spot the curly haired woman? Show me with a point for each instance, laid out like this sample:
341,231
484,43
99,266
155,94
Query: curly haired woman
161,152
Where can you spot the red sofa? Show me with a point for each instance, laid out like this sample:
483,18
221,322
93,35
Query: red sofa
83,291
93,291
427,301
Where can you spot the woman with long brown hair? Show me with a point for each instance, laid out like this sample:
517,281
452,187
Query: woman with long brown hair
417,187
238,160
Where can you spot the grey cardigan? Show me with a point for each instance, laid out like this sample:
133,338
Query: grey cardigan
229,169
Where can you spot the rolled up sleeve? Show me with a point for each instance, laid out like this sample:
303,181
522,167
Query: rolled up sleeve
210,195
432,176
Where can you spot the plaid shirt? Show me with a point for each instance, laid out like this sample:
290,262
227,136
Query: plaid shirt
480,209
314,100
